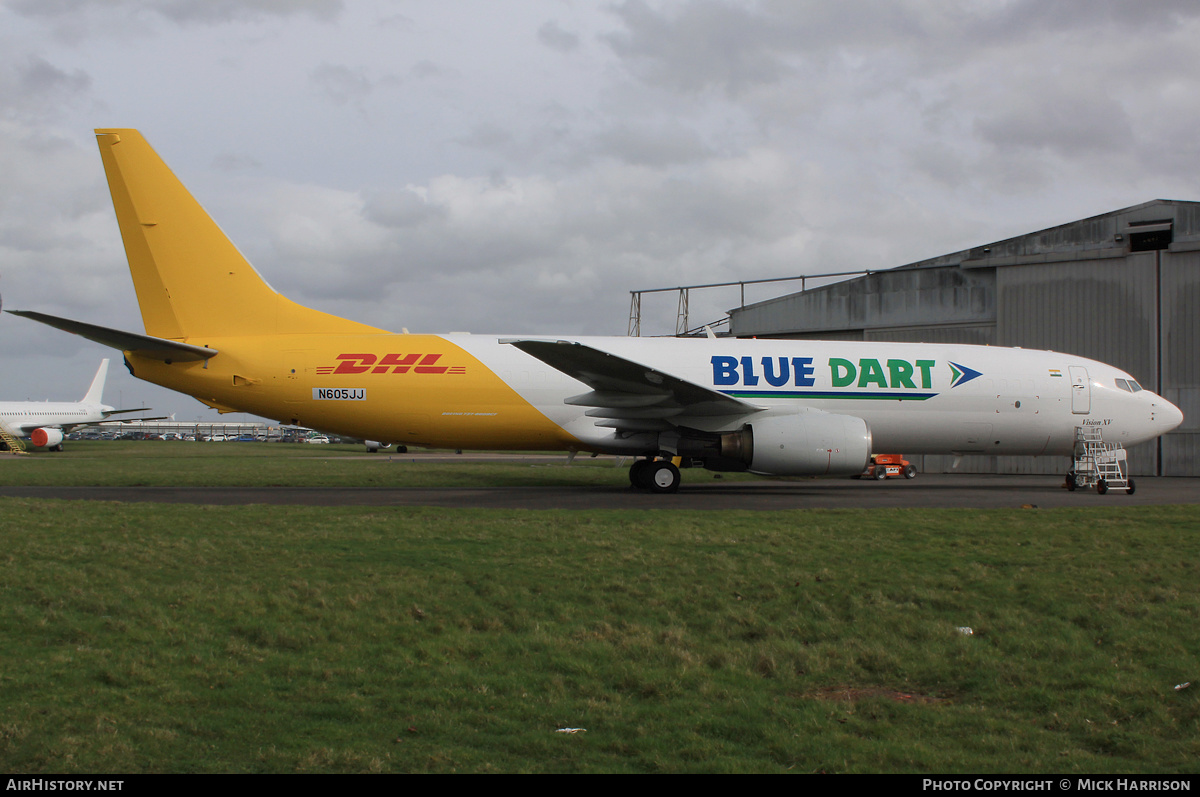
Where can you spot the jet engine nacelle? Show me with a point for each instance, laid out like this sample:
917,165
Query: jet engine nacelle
374,445
809,444
46,437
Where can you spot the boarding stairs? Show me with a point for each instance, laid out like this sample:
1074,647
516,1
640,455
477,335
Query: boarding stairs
1098,464
11,444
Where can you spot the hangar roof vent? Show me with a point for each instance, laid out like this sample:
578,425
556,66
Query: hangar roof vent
1146,236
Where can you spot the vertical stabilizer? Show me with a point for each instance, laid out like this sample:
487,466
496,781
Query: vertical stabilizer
97,389
191,281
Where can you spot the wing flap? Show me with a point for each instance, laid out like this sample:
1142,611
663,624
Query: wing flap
626,425
597,398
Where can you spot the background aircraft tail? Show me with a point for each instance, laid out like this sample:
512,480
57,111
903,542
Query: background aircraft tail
97,389
191,281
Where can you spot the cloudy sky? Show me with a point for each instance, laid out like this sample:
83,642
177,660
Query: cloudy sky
519,167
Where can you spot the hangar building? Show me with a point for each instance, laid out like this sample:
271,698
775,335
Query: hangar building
1122,287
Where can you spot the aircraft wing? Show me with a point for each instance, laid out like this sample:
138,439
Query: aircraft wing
626,394
24,429
144,345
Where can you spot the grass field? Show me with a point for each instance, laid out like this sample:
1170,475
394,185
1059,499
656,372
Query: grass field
142,637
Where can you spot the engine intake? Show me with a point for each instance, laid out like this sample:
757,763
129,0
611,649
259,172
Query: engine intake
46,437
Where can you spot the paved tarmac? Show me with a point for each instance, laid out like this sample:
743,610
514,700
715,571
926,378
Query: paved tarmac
700,491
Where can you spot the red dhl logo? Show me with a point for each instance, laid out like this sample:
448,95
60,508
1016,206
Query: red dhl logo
393,363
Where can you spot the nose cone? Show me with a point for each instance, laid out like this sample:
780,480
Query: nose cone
1166,415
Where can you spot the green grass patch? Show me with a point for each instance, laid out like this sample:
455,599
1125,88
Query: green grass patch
143,638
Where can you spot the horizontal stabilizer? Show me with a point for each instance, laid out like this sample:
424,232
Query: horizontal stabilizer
143,345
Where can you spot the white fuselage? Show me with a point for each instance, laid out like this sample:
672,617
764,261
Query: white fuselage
916,398
22,417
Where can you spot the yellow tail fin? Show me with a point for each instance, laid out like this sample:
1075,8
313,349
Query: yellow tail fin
191,281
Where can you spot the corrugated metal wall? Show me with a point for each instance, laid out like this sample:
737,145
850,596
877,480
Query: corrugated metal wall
1181,358
1102,309
979,334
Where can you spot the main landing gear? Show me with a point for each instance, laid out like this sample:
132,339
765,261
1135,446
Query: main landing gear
655,475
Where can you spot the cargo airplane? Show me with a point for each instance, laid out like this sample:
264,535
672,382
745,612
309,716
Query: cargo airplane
46,422
214,329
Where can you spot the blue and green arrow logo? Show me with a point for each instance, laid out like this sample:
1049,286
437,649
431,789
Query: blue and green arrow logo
962,374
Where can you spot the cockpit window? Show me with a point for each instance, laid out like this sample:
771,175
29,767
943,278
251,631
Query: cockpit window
1121,383
1134,386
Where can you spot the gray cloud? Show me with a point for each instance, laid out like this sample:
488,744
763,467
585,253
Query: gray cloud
660,146
556,38
33,88
233,162
341,84
705,44
1069,124
425,69
208,12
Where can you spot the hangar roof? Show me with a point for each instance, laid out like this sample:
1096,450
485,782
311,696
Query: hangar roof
1157,224
1116,230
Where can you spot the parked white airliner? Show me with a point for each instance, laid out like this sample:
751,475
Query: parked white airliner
46,422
